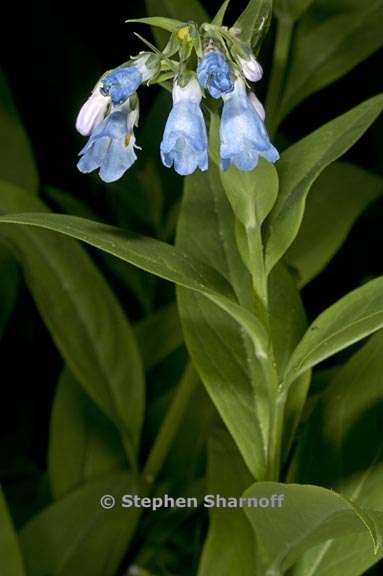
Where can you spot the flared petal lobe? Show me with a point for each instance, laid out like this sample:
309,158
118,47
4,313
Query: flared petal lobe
214,75
111,146
242,132
184,143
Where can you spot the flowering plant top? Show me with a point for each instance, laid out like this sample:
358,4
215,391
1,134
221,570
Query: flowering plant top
206,61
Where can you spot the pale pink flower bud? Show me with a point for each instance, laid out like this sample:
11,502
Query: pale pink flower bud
92,112
251,68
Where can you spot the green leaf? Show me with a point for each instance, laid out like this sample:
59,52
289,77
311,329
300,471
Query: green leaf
100,349
221,351
291,8
11,561
335,202
169,24
158,335
230,544
352,318
16,160
218,18
83,444
254,21
77,536
316,61
307,516
342,449
153,256
302,163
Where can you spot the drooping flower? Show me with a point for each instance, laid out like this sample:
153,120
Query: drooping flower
242,132
184,143
111,144
92,112
123,82
214,74
251,68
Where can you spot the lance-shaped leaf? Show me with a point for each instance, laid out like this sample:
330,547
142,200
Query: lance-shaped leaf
153,256
300,518
100,348
218,18
83,443
339,196
254,21
302,163
11,561
77,536
175,9
341,449
169,24
352,318
230,544
316,62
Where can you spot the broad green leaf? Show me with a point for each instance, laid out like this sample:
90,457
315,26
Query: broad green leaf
302,163
9,274
316,61
83,444
16,160
336,200
291,8
222,353
306,516
77,536
218,18
352,318
342,449
100,349
153,256
158,335
230,544
11,561
254,21
169,24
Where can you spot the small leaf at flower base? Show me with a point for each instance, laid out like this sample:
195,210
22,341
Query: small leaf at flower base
218,18
11,561
100,349
83,443
316,62
254,22
302,163
175,9
352,318
168,24
336,200
230,546
75,535
306,516
341,449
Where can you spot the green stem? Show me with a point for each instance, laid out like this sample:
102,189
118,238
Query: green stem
275,437
278,72
170,425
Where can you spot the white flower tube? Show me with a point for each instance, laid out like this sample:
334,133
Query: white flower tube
92,112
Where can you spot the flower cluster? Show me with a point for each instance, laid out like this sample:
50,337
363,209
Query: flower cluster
225,67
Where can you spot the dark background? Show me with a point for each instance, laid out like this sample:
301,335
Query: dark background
57,54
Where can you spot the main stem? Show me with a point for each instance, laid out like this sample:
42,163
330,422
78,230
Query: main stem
278,72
